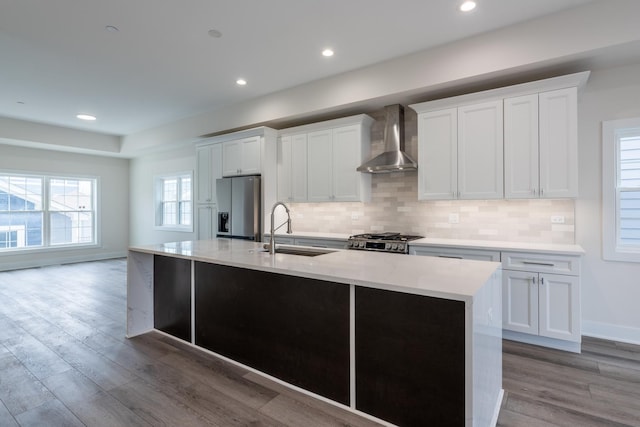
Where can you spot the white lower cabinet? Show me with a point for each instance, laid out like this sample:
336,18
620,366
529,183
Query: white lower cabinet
207,221
538,301
540,293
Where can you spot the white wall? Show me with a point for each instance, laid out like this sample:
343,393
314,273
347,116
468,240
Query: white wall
113,175
611,290
142,172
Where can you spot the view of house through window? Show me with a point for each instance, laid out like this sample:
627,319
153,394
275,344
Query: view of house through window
40,211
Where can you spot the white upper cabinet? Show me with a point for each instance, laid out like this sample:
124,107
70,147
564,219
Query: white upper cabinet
292,168
438,155
347,147
320,169
318,162
480,151
541,145
559,143
209,168
241,157
460,153
512,142
521,165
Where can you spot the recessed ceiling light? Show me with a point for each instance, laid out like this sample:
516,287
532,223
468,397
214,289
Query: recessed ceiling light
327,52
87,117
214,33
468,6
241,82
111,29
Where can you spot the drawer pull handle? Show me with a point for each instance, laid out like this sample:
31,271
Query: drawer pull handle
450,256
546,264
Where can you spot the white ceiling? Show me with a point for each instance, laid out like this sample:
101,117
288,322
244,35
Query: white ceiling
57,59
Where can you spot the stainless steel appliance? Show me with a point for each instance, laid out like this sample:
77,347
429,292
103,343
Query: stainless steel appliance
394,158
239,207
382,242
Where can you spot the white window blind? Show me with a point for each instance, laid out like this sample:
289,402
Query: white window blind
621,190
628,189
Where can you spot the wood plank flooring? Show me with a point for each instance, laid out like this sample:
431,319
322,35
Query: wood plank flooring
64,361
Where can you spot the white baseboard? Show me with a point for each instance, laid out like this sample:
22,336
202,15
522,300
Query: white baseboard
612,332
41,260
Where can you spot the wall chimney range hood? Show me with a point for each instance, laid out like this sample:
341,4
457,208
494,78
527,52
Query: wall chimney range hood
394,158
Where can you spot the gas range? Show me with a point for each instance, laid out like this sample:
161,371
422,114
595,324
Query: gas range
381,242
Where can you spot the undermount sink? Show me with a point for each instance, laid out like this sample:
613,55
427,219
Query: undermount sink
300,250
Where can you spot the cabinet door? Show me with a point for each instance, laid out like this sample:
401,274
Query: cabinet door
209,168
346,158
284,166
480,151
299,168
250,156
559,143
559,301
207,221
203,174
231,158
438,155
520,301
320,171
241,157
521,169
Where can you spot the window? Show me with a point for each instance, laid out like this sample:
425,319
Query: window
621,190
41,211
174,202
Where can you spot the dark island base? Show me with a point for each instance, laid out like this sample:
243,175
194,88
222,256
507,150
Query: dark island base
295,329
172,296
410,358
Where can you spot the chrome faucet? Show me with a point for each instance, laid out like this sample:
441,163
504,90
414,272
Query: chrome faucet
272,244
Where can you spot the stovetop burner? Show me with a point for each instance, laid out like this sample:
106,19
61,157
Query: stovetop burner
382,242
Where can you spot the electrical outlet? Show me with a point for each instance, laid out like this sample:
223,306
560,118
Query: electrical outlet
557,219
354,216
454,218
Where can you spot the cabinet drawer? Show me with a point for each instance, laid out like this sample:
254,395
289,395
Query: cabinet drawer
321,243
543,263
477,254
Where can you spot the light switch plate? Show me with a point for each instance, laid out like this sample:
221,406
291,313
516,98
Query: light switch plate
454,218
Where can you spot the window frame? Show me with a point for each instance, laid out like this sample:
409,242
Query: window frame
46,212
612,132
159,202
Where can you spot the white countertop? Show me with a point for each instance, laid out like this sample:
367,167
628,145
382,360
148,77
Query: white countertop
459,243
438,277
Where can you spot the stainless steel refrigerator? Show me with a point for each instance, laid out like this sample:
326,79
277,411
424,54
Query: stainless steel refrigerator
239,207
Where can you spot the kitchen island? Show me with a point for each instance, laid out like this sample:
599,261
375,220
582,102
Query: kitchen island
407,340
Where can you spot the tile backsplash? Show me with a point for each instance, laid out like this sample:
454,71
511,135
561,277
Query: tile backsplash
394,207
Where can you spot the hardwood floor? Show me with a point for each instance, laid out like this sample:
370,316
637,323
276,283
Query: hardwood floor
64,361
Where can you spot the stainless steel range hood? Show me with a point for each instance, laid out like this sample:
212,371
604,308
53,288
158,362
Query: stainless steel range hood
394,158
